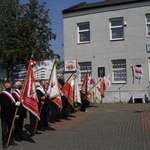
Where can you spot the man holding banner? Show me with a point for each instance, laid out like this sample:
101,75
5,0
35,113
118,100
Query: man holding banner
29,97
22,112
44,105
8,107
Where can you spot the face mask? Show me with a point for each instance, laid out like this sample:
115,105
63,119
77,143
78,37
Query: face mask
20,87
8,89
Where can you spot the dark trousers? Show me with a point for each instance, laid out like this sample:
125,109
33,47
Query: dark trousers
85,104
55,112
33,121
43,119
6,126
64,111
18,128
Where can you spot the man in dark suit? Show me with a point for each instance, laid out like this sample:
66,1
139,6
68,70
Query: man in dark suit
21,113
8,107
43,106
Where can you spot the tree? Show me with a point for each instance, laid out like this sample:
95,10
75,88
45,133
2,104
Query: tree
59,63
26,34
8,30
34,31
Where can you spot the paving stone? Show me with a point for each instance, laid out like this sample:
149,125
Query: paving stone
103,127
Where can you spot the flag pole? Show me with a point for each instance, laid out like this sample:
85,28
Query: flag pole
12,125
94,85
69,78
50,75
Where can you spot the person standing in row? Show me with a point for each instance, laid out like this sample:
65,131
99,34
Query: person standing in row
22,113
8,107
43,106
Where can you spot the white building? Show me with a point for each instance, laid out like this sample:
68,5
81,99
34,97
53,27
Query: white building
109,37
42,70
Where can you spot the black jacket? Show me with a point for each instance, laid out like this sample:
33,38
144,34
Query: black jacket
7,107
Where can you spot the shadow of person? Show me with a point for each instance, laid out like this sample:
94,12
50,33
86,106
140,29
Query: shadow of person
26,134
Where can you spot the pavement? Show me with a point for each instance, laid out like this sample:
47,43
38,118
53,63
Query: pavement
103,127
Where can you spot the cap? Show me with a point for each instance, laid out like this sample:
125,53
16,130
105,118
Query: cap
18,83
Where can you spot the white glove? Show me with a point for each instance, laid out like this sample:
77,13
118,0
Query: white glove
17,103
17,116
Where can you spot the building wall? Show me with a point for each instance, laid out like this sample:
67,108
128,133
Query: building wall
100,51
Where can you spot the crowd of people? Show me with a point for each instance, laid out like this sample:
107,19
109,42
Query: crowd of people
13,112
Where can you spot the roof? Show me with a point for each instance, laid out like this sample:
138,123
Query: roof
85,6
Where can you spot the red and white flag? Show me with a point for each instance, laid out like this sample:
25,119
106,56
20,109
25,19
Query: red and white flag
28,95
53,89
86,87
103,86
137,72
68,89
96,90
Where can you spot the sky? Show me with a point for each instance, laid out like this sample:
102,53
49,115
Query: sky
55,14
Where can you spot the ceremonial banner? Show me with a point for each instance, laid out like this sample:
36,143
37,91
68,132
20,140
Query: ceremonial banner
103,86
96,90
86,87
68,89
28,95
53,88
77,97
137,71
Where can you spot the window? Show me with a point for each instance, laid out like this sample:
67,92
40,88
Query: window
119,71
148,25
83,32
116,29
84,67
149,67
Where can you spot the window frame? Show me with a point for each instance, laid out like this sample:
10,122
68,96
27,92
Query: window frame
82,31
116,69
84,71
149,67
147,23
116,27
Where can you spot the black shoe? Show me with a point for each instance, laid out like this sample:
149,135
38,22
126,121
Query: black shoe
18,139
13,143
32,134
42,129
52,121
23,138
37,132
5,146
49,128
66,119
58,120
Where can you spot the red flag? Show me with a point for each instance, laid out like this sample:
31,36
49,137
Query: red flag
86,86
28,95
103,86
68,89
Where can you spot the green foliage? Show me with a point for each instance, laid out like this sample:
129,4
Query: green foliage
24,32
34,31
60,64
